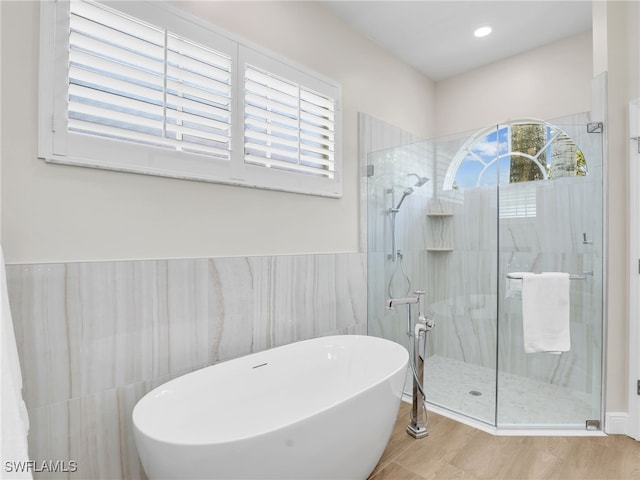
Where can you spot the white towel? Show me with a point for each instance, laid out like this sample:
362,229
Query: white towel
13,411
545,312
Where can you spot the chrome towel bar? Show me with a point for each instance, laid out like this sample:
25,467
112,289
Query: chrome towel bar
583,276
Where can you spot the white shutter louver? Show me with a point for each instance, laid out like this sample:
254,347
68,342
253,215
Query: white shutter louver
287,126
518,201
132,81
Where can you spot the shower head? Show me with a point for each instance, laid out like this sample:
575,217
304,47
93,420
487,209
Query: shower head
421,180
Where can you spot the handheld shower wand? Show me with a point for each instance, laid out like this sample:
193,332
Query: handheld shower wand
407,191
393,211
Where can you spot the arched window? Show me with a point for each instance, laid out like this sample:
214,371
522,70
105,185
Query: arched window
518,151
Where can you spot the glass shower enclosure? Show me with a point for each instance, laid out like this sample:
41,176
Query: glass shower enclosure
463,219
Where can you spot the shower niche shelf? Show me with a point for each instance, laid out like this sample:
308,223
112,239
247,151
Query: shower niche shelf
439,231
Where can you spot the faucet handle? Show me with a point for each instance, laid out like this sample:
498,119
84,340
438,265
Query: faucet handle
429,323
420,294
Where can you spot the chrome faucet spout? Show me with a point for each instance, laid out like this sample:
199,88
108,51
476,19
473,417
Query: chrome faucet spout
393,302
417,333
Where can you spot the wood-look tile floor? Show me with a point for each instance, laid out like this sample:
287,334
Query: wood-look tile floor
455,450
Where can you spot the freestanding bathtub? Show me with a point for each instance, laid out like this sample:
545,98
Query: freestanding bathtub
316,409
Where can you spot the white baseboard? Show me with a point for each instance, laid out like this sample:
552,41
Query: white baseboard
616,423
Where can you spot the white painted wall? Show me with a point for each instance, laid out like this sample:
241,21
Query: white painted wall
60,213
599,34
622,62
549,82
0,127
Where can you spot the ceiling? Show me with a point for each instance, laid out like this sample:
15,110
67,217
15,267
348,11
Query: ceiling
436,37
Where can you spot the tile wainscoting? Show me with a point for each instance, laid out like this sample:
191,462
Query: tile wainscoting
95,337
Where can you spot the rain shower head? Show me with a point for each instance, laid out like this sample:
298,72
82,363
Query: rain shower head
421,180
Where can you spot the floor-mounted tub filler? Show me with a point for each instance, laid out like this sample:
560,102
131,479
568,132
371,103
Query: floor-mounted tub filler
316,409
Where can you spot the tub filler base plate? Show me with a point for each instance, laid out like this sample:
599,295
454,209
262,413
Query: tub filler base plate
417,432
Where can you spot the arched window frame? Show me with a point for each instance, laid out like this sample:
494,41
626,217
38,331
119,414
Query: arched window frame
481,136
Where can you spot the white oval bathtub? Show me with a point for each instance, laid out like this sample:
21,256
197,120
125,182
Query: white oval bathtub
316,409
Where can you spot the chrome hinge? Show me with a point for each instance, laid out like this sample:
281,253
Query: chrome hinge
592,424
370,170
595,127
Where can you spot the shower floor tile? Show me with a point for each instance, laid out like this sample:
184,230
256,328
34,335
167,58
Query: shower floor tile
470,390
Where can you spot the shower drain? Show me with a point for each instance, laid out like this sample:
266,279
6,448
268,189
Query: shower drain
475,393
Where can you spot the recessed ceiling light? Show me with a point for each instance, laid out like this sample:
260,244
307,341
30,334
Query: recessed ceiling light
482,32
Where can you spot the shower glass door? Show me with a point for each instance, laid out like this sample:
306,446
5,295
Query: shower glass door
512,198
398,190
551,221
443,241
462,278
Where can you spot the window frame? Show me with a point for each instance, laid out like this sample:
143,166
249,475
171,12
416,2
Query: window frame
467,149
57,145
518,200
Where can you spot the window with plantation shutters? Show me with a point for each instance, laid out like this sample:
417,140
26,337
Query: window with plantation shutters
146,88
287,126
135,82
518,201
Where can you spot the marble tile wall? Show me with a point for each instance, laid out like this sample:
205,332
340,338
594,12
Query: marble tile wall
394,153
93,338
375,136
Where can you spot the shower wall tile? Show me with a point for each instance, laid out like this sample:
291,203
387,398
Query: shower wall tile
350,293
49,341
93,338
94,431
231,296
187,313
102,295
375,136
304,288
100,448
53,433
